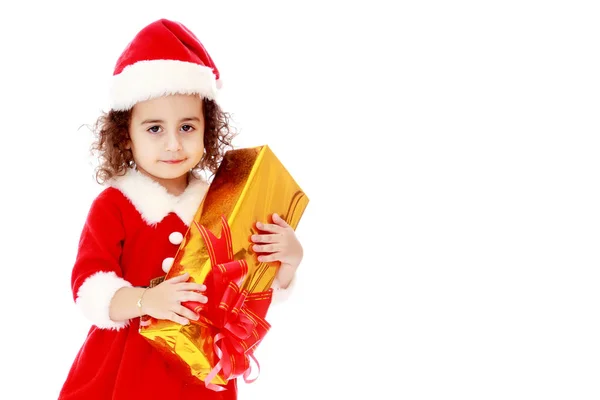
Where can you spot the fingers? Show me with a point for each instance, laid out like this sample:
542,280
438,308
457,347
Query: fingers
273,228
193,296
278,226
266,248
280,221
180,278
269,257
266,238
182,315
173,316
189,286
186,313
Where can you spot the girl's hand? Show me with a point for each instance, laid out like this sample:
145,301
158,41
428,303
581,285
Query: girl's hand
279,244
164,300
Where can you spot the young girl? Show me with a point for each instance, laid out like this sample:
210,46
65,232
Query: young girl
163,126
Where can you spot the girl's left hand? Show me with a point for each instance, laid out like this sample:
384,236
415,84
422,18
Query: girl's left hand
280,242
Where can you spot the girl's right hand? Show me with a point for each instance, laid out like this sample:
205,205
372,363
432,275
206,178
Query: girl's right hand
164,300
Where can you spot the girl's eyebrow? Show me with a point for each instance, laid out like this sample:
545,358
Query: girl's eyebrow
152,121
190,119
160,121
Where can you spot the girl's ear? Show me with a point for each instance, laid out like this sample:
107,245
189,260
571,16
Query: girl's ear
128,144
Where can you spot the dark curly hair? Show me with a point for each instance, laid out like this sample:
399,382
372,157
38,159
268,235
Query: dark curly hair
111,132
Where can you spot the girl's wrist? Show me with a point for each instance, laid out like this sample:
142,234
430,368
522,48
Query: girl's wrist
140,303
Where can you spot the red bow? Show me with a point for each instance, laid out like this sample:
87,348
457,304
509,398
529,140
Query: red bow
238,315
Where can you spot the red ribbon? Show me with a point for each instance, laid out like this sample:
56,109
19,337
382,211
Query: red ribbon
237,315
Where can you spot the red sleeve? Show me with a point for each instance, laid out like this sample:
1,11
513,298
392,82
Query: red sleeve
97,274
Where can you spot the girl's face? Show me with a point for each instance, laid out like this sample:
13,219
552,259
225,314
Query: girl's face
167,137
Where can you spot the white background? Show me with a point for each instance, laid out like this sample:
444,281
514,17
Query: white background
451,154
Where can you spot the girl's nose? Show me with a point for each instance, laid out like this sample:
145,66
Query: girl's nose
173,142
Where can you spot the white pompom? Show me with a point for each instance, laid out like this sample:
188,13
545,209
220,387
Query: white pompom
176,238
167,264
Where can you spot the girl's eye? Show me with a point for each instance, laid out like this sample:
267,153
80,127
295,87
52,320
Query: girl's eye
154,129
187,128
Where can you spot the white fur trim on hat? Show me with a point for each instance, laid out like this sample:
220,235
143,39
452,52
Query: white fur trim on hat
94,297
149,79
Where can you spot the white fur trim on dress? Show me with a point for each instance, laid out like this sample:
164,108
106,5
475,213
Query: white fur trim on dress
94,297
149,79
153,201
279,294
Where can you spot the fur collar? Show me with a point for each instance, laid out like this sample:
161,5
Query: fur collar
154,202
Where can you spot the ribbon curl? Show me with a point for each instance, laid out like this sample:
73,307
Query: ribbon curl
238,316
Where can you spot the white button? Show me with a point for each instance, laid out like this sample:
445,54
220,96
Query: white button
176,237
167,264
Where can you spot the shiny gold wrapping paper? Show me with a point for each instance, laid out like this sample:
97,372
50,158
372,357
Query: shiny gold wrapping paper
250,185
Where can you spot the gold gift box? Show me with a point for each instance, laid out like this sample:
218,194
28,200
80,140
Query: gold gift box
250,185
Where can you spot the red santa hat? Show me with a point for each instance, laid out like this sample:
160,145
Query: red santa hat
164,58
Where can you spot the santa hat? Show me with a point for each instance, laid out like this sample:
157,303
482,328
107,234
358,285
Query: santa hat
164,58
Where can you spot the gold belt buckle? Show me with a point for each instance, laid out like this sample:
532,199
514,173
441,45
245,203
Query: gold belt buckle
157,281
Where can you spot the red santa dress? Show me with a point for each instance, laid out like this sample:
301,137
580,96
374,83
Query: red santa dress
131,234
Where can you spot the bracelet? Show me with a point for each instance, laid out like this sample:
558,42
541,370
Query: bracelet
139,302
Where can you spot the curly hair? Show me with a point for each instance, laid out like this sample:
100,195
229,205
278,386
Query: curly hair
112,134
